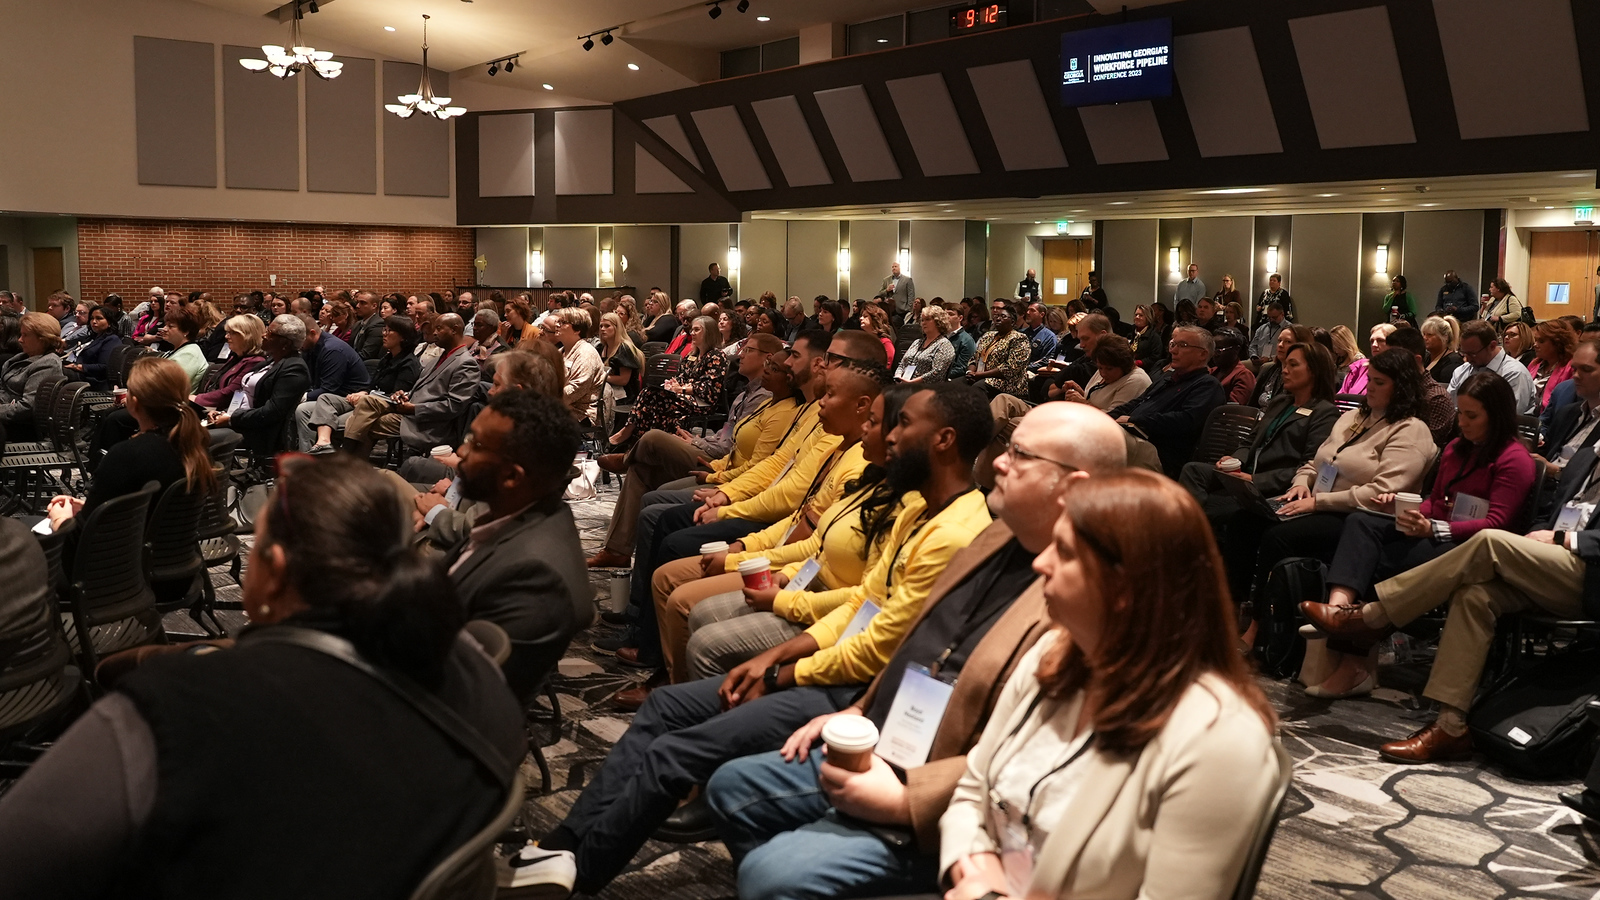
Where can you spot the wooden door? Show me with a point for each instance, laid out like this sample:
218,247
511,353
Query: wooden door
1067,262
49,275
1562,258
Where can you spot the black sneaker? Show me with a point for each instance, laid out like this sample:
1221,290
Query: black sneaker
610,645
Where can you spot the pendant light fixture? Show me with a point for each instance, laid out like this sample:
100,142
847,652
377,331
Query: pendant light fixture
288,63
423,101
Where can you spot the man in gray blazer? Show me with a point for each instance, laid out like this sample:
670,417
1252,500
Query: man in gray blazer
520,566
898,289
366,332
422,418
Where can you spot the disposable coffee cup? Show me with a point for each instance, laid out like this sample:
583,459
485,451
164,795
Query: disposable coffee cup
711,547
850,740
441,450
1228,464
1404,503
757,573
620,588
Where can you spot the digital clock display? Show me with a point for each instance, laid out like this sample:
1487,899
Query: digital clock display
967,19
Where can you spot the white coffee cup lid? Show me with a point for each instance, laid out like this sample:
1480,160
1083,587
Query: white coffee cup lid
1228,464
753,565
710,547
850,734
1408,496
441,450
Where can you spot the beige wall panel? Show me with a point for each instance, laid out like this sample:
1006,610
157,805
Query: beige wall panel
1327,269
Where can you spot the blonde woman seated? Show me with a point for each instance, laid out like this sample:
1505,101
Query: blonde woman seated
930,356
1117,378
1131,753
1350,376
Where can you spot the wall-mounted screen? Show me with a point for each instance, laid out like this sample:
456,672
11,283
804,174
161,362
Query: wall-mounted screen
1117,63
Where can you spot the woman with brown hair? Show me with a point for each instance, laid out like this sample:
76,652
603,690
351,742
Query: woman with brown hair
518,328
875,321
1553,343
1131,753
698,386
20,376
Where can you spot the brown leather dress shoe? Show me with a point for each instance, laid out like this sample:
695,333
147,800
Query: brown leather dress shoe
615,463
1342,621
1431,744
631,699
609,559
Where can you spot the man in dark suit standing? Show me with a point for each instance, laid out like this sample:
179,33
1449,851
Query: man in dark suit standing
520,565
715,286
898,289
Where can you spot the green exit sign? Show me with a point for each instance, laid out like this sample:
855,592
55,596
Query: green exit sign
1583,215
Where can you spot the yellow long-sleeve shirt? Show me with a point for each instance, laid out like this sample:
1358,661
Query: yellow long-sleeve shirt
811,606
816,459
760,476
918,551
755,437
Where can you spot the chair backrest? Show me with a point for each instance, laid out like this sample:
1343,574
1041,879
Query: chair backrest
128,359
1347,402
215,522
1528,431
651,347
1228,427
68,417
114,364
172,537
658,367
468,872
1261,842
208,381
44,401
108,580
54,546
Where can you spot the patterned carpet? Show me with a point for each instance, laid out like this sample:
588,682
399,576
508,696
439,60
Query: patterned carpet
1353,826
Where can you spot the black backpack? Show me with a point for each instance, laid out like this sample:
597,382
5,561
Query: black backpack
1533,722
1279,648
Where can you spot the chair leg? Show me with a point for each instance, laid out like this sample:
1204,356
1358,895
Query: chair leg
538,760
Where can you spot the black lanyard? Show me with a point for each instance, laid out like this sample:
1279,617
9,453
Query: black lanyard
969,627
854,501
926,517
799,414
1354,437
1027,809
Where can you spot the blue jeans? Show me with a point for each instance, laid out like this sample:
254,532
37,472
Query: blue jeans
775,820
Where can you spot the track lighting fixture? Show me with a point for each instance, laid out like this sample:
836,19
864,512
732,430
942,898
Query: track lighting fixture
313,7
494,69
588,43
507,62
716,10
606,39
744,6
510,64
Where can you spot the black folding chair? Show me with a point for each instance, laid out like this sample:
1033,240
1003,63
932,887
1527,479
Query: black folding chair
108,595
1228,427
172,552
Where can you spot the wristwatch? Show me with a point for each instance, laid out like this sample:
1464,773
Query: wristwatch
770,679
1560,539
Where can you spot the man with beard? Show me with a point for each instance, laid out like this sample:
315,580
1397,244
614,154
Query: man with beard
684,732
521,566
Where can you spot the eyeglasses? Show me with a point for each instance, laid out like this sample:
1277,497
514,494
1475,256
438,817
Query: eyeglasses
1180,345
1020,453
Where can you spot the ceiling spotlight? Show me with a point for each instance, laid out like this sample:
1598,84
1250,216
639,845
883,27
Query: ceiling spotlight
510,64
388,28
548,87
763,18
606,39
744,6
588,43
494,69
716,10
633,67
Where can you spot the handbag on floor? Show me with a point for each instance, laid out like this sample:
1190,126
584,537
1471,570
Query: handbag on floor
1279,649
1533,722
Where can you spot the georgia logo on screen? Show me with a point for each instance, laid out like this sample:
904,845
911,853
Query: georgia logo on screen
1072,74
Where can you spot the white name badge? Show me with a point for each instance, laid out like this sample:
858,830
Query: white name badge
860,621
1468,508
914,718
1574,516
1327,474
452,494
803,578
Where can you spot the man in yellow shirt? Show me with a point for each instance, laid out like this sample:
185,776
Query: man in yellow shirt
684,732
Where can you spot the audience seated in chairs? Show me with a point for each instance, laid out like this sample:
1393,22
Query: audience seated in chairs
1381,447
397,372
930,356
1484,480
1000,365
429,414
683,732
180,331
21,375
244,336
759,418
272,392
1131,752
984,613
1441,335
1553,343
145,789
697,387
1238,382
90,361
1269,377
1438,408
1117,377
568,328
1294,425
1172,412
1572,426
1480,349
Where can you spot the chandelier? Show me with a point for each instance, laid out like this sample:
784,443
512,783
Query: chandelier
288,63
423,101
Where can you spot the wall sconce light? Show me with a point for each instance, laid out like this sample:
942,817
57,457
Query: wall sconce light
905,260
605,265
844,260
1382,259
535,265
733,259
1174,264
1272,259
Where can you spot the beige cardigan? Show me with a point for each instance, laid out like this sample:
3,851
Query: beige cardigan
1389,457
1174,821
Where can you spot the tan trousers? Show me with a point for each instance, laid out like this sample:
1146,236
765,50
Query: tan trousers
656,459
677,588
1493,573
371,420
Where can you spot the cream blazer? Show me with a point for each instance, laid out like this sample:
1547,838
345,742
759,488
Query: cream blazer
1174,821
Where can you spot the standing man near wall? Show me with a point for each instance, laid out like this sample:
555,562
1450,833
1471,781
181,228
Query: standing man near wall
714,287
1273,294
1455,299
898,289
1191,288
1028,287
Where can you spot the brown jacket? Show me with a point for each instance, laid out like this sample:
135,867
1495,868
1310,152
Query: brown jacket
982,678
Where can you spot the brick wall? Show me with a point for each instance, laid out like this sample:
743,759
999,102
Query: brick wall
128,256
